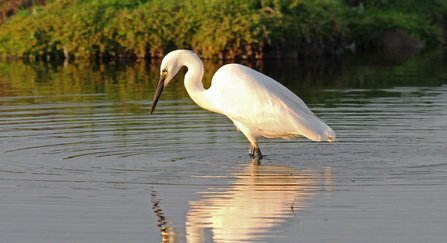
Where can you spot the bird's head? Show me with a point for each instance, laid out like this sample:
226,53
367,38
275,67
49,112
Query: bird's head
170,66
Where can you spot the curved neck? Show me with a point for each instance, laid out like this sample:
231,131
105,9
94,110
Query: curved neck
193,78
194,85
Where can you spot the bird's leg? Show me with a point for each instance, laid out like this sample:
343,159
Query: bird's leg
252,138
251,152
254,150
258,151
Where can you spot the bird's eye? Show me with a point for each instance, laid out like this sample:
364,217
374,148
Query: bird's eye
164,70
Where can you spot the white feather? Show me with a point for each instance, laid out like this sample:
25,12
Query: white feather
258,105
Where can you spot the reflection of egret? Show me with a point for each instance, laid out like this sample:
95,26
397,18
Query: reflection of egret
259,200
168,234
257,105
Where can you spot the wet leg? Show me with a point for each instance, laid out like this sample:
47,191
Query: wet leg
258,152
251,152
254,149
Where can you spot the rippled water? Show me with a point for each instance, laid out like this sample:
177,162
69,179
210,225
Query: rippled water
81,159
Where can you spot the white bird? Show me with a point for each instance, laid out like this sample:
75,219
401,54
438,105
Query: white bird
257,104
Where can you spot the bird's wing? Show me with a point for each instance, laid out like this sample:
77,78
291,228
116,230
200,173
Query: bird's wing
263,105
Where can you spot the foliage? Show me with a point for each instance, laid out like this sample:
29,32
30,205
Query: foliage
423,20
11,7
308,21
227,28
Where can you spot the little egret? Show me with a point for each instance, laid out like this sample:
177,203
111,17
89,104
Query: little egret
257,104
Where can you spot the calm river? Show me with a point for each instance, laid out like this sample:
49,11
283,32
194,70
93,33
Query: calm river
81,159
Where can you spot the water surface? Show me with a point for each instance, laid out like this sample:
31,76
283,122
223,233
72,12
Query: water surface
81,159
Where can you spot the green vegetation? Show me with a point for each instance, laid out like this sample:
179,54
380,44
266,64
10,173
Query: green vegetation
423,20
225,29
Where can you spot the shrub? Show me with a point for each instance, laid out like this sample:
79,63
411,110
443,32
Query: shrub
226,28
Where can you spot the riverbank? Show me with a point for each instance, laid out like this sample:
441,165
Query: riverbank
215,29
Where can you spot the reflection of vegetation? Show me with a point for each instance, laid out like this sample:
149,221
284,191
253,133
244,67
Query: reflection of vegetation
306,77
114,28
44,79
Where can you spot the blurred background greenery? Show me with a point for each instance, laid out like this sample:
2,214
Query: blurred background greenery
140,29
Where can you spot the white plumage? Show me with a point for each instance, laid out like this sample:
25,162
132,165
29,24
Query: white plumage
258,105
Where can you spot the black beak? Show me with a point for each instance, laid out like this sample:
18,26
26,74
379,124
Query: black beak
161,86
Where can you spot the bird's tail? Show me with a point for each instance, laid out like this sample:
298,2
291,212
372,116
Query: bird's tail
330,135
315,129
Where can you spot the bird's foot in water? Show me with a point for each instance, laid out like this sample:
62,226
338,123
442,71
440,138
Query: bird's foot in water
254,150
